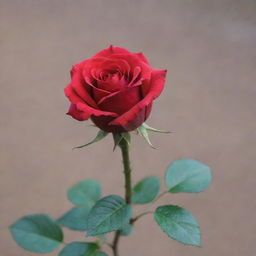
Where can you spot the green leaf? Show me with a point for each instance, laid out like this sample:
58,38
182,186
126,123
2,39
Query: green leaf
126,230
37,233
109,213
81,249
144,133
187,175
146,190
119,136
100,135
153,129
85,193
178,224
75,219
101,254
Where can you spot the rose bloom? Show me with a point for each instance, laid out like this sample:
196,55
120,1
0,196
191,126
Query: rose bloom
115,88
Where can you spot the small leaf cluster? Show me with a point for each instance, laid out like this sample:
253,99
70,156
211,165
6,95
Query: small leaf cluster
96,215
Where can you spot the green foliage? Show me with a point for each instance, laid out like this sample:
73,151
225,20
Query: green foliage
109,214
37,233
126,230
187,175
100,135
85,193
81,249
75,219
146,190
178,224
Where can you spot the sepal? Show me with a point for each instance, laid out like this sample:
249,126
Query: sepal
154,129
119,136
144,133
100,135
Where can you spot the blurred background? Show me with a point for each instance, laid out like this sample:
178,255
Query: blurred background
209,49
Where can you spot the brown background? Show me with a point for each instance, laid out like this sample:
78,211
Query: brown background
209,49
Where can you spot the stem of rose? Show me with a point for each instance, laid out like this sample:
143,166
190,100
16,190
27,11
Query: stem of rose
128,186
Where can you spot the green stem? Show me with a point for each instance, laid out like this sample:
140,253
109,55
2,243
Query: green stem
128,186
160,195
127,170
139,216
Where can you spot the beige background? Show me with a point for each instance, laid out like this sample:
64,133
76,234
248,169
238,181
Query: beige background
209,49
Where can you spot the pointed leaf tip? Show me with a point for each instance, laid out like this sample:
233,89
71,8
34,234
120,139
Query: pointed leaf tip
154,129
100,135
144,133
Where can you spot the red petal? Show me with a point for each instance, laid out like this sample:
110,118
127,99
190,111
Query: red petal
97,93
76,114
142,57
136,73
157,85
91,111
121,101
78,106
134,61
110,51
80,88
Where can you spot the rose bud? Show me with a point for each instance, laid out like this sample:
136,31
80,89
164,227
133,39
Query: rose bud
115,88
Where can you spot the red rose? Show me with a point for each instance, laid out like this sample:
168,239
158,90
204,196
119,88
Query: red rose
115,88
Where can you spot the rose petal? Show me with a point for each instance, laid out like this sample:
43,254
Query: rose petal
97,93
91,111
145,87
77,114
110,51
113,83
157,85
121,101
81,89
108,65
148,111
142,57
103,123
136,73
134,61
75,98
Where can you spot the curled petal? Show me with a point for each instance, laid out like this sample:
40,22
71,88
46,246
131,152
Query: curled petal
79,108
77,114
75,98
121,101
91,111
81,89
156,87
134,61
97,93
136,74
83,112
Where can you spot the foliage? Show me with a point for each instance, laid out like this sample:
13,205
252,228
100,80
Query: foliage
97,216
